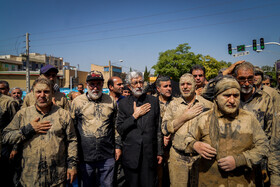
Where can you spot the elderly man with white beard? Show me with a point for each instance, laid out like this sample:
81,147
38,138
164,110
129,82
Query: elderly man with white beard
99,144
139,127
256,101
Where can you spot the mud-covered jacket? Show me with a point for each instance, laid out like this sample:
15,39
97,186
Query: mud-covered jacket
239,136
8,108
45,157
261,105
60,100
274,154
95,123
176,108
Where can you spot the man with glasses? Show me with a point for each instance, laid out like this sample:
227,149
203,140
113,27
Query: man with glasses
139,127
198,71
256,101
94,117
59,99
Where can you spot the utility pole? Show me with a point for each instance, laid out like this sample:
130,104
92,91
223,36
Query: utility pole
110,69
27,64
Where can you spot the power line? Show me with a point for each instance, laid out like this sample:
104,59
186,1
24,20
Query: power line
137,18
157,23
7,39
162,31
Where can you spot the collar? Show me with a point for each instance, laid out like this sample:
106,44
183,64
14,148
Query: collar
48,113
183,101
258,92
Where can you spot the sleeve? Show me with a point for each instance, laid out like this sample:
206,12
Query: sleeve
274,153
66,105
259,149
14,134
118,141
124,122
72,157
167,125
159,133
184,139
269,118
26,101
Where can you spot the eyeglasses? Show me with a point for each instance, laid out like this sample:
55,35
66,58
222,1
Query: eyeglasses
245,79
92,85
137,82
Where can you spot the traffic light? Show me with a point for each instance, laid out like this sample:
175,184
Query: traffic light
229,49
254,45
262,43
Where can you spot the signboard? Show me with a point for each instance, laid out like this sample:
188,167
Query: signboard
240,48
241,54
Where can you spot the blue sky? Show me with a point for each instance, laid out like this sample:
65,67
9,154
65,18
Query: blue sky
136,31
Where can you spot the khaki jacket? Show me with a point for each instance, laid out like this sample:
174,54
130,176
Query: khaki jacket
45,157
239,136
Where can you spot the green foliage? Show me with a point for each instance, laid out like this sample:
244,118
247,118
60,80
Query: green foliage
176,62
146,74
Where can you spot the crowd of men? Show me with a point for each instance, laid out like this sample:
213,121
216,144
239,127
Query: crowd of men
220,132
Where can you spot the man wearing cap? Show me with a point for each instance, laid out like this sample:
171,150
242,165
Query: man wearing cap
94,117
230,140
178,118
46,135
59,99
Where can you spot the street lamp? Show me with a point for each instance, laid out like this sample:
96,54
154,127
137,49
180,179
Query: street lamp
110,68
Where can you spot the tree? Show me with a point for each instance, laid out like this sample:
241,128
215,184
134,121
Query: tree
176,62
146,74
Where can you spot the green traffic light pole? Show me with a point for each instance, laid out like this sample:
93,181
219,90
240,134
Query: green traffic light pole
267,43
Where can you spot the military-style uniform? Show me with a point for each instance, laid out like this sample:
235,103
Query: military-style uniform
45,157
239,136
180,163
60,100
94,120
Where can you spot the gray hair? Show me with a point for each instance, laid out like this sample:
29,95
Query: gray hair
266,77
131,75
161,79
245,65
16,88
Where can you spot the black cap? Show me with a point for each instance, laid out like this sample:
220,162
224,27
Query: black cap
94,75
47,68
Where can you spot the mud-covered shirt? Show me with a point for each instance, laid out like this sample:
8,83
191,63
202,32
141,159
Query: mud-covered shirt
261,105
239,136
45,157
60,100
95,123
274,154
8,108
176,109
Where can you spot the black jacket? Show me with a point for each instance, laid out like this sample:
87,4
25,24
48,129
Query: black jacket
141,137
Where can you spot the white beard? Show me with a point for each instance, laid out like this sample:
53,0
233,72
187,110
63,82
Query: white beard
246,91
94,95
137,92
